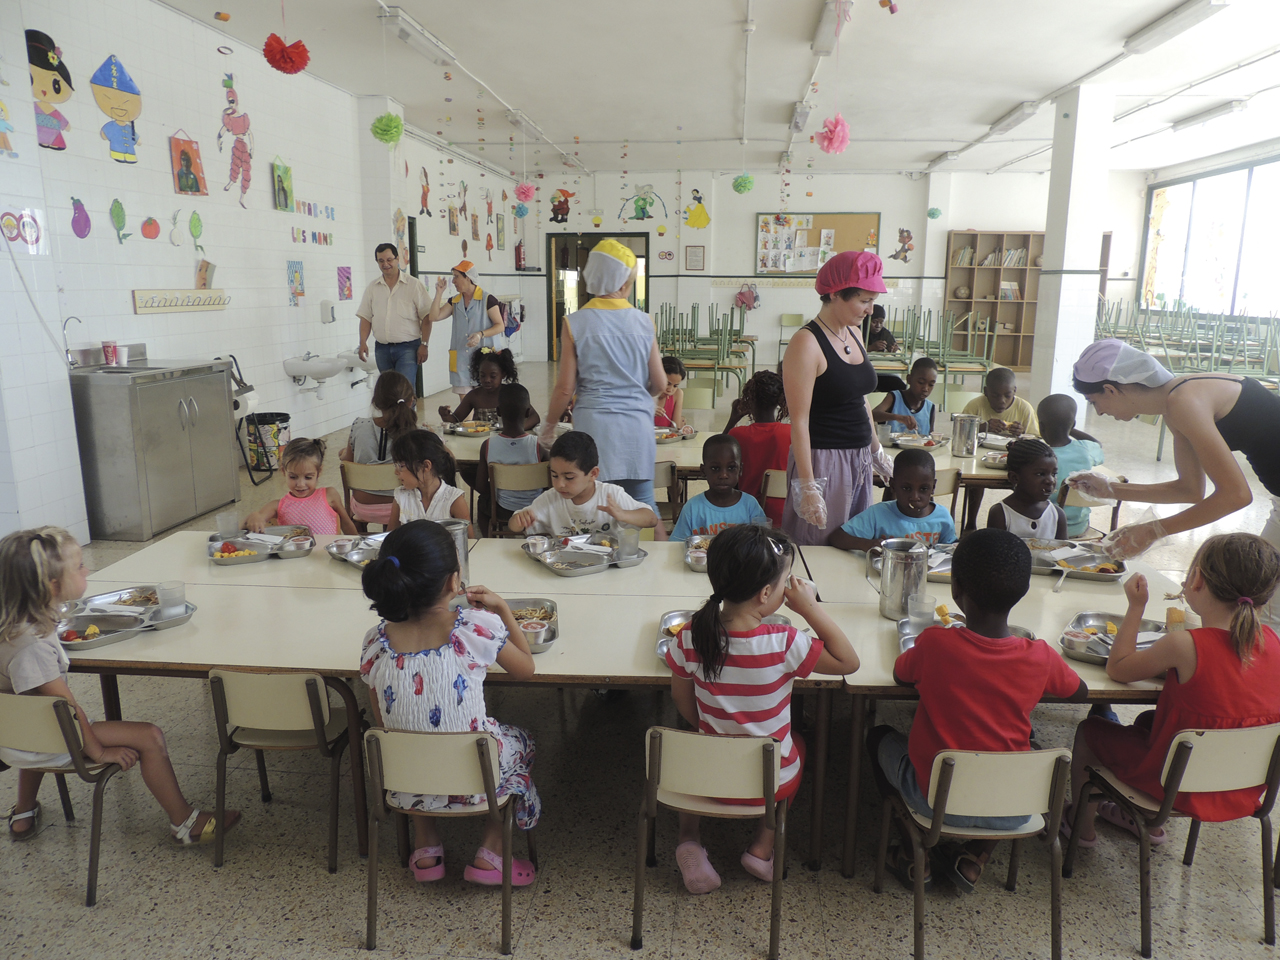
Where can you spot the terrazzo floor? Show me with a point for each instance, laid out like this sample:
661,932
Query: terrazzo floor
274,899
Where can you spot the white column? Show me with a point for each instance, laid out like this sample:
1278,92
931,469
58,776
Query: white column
1068,297
933,292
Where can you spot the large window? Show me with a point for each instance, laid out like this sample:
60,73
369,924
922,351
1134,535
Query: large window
1212,243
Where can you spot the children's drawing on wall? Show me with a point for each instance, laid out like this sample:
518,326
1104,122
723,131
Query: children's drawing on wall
641,201
400,224
425,206
282,185
6,128
488,203
119,98
344,283
560,206
204,274
904,246
3,81
695,215
502,232
488,244
475,226
50,85
188,170
80,222
462,200
297,288
236,123
117,220
453,220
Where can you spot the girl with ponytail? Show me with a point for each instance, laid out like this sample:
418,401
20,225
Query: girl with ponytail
1223,675
425,665
731,672
395,410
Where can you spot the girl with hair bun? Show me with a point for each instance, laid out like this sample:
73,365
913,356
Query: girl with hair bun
425,665
1029,512
370,441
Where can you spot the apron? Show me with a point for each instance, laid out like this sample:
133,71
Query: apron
467,320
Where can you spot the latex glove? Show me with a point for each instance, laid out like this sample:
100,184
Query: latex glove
548,435
882,465
1096,485
474,340
810,502
1133,540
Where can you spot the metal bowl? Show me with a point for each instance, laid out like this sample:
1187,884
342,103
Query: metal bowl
295,548
343,546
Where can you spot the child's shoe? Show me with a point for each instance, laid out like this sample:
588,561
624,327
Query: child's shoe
434,872
760,869
521,870
696,870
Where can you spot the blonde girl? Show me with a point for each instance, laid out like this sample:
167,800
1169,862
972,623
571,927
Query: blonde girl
39,570
427,473
306,503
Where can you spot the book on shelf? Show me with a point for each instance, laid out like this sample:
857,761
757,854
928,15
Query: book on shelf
963,258
1015,258
992,259
1009,290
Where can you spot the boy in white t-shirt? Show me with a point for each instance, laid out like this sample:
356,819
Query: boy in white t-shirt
577,502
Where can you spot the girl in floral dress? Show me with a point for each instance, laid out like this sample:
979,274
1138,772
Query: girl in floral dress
425,665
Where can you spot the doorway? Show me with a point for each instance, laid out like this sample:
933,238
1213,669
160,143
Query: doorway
567,293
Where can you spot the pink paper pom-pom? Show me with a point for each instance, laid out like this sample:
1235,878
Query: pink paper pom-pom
524,191
834,135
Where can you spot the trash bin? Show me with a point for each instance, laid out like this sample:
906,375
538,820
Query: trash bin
267,433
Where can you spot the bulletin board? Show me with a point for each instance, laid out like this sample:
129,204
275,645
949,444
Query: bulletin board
798,244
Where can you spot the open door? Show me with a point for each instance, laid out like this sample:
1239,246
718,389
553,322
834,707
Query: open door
566,293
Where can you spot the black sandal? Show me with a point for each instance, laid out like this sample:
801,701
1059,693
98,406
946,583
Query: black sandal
949,863
904,868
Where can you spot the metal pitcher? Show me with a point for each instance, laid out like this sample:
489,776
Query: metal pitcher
964,434
903,570
458,529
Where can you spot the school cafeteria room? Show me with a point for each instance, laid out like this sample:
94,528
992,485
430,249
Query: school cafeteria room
350,603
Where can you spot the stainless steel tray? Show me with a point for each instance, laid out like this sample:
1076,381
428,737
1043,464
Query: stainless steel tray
1043,565
907,636
111,602
297,530
676,439
262,554
359,555
457,429
673,617
1095,648
920,441
114,626
558,555
553,626
153,623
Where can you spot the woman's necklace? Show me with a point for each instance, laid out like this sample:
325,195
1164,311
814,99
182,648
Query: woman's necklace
844,339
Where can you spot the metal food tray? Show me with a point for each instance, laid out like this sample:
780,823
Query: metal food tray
358,556
297,530
918,441
114,626
553,626
156,624
1097,648
676,439
994,460
1044,566
110,602
995,441
672,617
548,551
263,553
459,430
907,636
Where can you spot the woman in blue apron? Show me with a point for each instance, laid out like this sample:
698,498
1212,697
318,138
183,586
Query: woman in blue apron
476,316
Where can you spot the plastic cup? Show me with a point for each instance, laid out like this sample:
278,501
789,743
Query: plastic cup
229,524
109,352
122,356
628,541
920,607
172,595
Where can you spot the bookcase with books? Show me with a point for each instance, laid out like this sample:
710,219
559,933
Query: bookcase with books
995,279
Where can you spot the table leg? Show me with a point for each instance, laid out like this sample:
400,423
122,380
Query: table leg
110,696
972,507
355,748
820,748
855,783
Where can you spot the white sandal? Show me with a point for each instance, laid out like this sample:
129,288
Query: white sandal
33,815
183,836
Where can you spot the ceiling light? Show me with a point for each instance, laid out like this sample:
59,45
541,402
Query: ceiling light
1177,21
940,159
403,27
1204,116
800,117
824,38
526,126
1023,111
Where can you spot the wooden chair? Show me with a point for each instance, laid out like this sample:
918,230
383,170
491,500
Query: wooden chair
1198,761
947,484
365,476
512,476
686,771
453,764
664,478
48,725
1031,783
277,711
774,484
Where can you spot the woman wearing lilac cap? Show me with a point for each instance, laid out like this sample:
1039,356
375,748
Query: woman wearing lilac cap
1209,416
827,375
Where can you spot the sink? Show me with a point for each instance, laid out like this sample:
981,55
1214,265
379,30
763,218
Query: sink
317,368
352,359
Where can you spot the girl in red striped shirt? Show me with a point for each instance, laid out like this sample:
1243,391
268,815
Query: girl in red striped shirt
731,673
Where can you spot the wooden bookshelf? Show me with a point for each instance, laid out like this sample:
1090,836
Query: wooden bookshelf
1014,320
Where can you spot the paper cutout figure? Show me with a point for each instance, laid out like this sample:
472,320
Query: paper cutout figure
644,199
502,232
488,203
904,245
117,220
119,98
696,215
6,128
282,184
560,206
344,283
150,228
196,226
50,84
462,200
453,220
400,225
204,274
176,236
237,124
475,226
425,207
297,287
188,169
488,244
80,222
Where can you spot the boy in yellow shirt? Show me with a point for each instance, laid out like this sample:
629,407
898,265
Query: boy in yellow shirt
1000,407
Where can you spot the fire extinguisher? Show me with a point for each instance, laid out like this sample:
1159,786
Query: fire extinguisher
520,255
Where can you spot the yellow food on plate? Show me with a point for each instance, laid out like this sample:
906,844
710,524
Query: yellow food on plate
1091,630
238,553
943,614
674,629
92,633
1175,619
1112,629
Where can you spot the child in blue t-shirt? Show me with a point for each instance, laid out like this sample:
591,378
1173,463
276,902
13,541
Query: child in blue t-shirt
912,513
723,505
1075,450
910,410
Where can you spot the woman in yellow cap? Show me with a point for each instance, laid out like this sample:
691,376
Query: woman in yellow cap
476,315
609,358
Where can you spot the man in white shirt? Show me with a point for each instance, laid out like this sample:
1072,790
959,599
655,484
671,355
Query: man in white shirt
395,309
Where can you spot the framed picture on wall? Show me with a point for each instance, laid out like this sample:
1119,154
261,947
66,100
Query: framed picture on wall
282,185
188,171
695,258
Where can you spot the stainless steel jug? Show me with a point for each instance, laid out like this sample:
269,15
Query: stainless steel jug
458,530
964,434
903,569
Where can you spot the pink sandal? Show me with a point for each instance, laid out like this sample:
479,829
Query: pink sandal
521,870
1111,812
427,874
696,870
760,869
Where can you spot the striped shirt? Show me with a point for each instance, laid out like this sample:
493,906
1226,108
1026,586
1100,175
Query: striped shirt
752,695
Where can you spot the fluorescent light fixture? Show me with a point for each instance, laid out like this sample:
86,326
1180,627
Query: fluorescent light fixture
1204,116
1022,112
1176,21
824,38
526,126
940,159
403,27
800,117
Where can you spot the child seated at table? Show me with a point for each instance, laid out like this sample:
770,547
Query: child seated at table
1223,675
1075,450
1001,409
879,339
370,441
1030,511
512,445
305,503
731,673
669,403
723,505
39,570
911,513
977,684
764,441
910,410
577,502
490,369
425,666
427,473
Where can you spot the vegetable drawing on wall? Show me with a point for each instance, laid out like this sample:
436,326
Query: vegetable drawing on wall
80,222
119,98
117,220
50,85
236,123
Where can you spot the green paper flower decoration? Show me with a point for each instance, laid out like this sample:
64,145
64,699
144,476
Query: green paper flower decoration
934,213
743,183
387,129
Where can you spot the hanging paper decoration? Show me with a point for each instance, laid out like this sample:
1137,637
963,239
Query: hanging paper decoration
287,59
80,222
387,129
117,220
934,213
889,5
521,211
743,183
834,135
525,191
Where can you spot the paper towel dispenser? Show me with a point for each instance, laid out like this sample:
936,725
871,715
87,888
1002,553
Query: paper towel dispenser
327,312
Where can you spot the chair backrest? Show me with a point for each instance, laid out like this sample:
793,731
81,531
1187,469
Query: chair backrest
706,765
947,483
664,474
774,484
520,476
432,763
270,701
698,397
957,400
368,476
1225,759
28,722
875,398
1017,784
792,320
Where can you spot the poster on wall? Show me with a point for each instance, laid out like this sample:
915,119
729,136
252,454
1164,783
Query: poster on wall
297,288
695,258
282,185
344,283
800,243
188,171
475,226
502,231
453,220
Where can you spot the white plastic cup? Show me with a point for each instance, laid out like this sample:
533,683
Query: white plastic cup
229,524
122,356
172,595
628,541
920,607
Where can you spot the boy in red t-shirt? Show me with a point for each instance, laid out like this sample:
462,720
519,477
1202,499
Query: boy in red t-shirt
977,686
765,442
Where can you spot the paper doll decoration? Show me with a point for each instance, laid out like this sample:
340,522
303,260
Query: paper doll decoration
502,232
475,226
6,128
644,199
120,99
188,170
453,220
696,215
236,123
488,202
462,200
400,226
297,285
425,207
50,85
904,245
560,206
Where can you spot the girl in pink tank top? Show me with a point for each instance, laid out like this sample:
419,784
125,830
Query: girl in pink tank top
306,503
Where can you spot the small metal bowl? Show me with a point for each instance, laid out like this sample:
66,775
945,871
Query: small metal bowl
296,547
696,559
344,546
539,545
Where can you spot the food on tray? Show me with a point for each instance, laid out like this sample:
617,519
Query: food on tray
1112,629
674,629
1080,636
1090,568
668,436
223,553
1175,619
91,633
1092,631
144,599
606,542
943,614
227,547
526,614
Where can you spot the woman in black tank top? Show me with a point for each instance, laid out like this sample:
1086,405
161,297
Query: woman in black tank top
827,375
1209,415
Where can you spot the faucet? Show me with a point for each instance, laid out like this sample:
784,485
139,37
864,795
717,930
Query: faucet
70,361
311,356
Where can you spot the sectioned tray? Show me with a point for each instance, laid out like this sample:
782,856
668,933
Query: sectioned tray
579,556
552,622
1094,648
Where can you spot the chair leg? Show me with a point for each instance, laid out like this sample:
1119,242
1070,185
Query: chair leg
262,776
335,783
882,851
1011,882
920,859
505,949
1268,892
651,856
1193,834
371,907
65,796
95,841
1081,803
1055,898
637,905
779,872
1144,884
220,806
402,838
532,844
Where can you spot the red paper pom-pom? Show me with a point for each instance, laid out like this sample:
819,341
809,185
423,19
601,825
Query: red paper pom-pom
291,59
